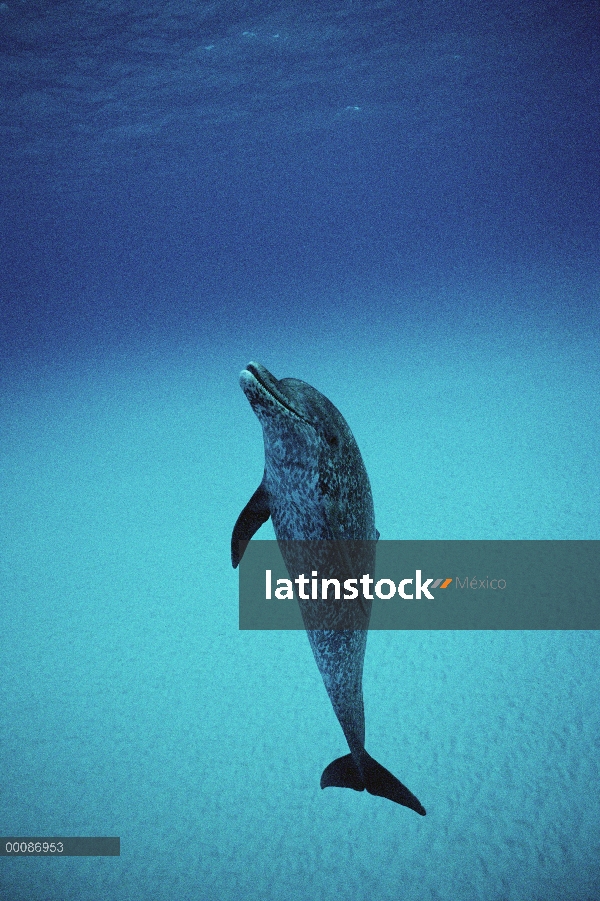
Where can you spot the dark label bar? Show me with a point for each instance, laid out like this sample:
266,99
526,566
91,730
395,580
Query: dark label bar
346,585
19,846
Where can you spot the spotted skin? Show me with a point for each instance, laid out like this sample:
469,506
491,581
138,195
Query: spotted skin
316,488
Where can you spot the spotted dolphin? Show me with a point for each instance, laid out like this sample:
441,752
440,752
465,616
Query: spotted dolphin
315,488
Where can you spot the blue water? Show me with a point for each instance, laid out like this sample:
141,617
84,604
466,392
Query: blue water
400,205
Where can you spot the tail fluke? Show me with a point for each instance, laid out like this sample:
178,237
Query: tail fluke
379,781
342,773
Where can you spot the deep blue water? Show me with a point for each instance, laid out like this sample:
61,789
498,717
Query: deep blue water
400,204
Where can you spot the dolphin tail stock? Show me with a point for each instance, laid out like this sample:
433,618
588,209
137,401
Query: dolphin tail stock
344,773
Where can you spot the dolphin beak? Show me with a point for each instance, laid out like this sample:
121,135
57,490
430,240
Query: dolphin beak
262,375
255,377
263,390
258,384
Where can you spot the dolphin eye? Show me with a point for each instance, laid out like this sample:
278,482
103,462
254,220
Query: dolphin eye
331,440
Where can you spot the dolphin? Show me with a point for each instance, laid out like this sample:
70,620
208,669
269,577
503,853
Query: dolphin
316,489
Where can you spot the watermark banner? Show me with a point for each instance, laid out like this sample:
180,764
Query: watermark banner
420,585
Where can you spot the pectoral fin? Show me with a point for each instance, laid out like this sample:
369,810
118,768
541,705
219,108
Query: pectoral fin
254,514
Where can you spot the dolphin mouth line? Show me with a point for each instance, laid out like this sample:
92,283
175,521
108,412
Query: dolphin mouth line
274,393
